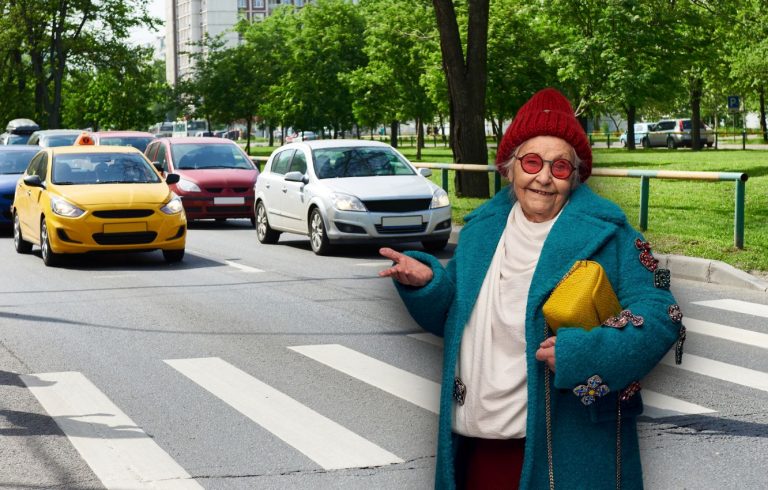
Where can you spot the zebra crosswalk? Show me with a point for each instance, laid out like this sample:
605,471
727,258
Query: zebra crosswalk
122,455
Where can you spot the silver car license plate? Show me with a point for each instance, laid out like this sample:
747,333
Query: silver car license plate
401,221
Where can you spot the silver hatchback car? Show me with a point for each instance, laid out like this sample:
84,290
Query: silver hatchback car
349,191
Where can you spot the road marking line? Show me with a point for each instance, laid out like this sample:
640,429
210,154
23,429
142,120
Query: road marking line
733,334
322,440
657,406
118,451
720,370
408,386
738,306
242,267
428,338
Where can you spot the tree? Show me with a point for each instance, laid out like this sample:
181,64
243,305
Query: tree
58,34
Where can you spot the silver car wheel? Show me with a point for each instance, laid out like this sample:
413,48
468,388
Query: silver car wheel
264,232
317,234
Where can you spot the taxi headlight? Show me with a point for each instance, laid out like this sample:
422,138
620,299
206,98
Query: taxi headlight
440,199
345,202
188,186
63,208
173,206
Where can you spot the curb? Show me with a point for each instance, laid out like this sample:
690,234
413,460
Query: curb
693,269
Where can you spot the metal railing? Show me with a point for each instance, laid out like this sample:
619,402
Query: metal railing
739,178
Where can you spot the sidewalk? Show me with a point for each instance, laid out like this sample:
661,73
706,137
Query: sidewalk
694,269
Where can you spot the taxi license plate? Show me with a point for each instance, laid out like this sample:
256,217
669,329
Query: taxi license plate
217,201
401,221
124,227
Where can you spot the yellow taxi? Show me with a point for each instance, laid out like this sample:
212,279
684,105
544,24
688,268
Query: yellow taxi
85,198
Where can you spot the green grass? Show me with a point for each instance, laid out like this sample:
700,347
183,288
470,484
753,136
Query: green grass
693,218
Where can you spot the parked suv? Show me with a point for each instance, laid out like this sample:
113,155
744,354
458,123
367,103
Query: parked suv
676,132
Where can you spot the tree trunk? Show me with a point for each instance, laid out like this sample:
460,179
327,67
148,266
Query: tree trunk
466,87
271,134
631,115
696,90
419,137
393,130
248,123
763,129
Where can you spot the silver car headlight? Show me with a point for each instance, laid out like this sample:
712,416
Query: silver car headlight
65,208
188,186
345,202
173,206
440,199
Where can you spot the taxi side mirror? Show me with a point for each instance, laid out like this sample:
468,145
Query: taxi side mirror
33,181
172,178
158,166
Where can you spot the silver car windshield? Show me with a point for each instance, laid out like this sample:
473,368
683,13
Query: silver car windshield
358,162
102,168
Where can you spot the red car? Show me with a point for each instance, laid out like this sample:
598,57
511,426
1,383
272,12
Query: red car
217,177
136,139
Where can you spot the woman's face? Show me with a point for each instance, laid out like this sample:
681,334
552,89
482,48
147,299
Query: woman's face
541,195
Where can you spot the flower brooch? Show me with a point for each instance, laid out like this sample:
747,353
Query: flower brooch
646,258
592,390
621,320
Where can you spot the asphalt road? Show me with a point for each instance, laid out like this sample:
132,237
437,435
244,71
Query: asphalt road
251,366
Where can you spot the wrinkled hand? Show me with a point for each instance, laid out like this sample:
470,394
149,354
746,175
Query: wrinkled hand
546,352
405,270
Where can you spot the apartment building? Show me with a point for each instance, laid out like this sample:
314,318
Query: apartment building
189,21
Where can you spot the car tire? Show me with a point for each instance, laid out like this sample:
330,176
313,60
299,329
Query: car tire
264,232
22,246
434,245
173,256
646,143
50,258
671,144
318,238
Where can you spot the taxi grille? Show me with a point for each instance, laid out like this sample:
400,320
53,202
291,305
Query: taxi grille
123,213
398,205
132,238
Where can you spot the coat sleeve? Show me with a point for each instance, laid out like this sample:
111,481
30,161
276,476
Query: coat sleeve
429,304
620,356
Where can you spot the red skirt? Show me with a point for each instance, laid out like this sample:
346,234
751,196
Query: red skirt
489,464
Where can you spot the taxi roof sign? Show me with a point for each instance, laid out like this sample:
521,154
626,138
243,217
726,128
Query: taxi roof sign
85,139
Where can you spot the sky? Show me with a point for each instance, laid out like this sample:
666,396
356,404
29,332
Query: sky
143,36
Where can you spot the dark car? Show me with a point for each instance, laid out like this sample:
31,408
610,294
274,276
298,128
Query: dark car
217,177
136,139
14,160
48,138
18,131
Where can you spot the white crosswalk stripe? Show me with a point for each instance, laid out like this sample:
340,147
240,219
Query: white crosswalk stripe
410,387
119,453
740,335
736,305
297,425
720,370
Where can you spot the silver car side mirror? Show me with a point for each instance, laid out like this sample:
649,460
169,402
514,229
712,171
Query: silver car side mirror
425,172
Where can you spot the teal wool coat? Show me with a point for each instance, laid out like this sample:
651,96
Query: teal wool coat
584,437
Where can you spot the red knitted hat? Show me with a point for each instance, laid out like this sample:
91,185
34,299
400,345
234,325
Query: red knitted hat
547,113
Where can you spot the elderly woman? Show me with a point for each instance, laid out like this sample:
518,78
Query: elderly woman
521,407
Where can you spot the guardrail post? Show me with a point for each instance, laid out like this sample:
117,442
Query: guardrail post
644,186
496,182
608,139
445,179
744,139
738,220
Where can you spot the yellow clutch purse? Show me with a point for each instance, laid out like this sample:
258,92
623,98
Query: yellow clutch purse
583,298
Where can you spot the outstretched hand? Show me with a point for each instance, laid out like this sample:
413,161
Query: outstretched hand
405,270
546,352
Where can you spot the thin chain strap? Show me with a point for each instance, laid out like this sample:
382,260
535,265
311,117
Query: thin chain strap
618,443
548,412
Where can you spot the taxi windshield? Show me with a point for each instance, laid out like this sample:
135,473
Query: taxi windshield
102,168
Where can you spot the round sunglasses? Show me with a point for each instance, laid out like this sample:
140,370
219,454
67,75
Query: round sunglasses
532,163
